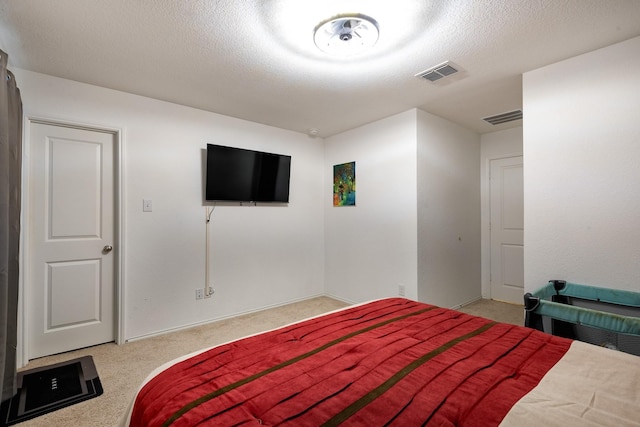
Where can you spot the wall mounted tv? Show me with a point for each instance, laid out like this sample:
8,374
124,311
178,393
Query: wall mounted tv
239,175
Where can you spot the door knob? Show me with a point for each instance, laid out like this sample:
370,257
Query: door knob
107,249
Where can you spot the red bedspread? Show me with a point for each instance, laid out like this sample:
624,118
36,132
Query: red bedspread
389,362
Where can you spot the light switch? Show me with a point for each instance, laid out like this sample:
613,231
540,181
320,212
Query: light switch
147,205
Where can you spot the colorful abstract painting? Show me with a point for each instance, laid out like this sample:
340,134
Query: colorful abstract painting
344,184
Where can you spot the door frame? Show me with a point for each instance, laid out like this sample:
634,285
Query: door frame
500,198
486,219
25,251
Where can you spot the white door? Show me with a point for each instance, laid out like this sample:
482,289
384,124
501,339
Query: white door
71,282
507,230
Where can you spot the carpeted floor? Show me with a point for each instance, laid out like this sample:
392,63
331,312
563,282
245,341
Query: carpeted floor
123,368
496,310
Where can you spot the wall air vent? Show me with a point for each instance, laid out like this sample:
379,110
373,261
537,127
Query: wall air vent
504,117
438,72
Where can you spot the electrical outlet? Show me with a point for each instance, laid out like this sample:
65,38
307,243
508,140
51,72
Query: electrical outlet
401,290
209,291
199,293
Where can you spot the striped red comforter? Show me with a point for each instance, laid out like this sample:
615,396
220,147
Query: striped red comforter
389,362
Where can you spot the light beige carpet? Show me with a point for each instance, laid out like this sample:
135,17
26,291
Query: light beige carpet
496,310
123,368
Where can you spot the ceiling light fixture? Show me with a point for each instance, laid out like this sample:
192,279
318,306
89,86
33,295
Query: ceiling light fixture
346,35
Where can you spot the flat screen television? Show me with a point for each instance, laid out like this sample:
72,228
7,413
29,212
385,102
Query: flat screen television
239,175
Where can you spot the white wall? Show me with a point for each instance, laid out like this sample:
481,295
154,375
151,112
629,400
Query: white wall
417,219
371,247
448,193
582,169
261,256
269,255
493,145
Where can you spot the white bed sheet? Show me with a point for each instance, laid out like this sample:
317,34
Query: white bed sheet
589,386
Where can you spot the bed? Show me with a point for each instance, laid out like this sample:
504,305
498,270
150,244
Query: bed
395,362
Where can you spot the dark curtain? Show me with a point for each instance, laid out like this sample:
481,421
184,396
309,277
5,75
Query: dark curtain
10,178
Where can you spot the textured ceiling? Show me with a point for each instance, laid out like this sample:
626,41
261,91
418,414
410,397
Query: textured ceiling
256,60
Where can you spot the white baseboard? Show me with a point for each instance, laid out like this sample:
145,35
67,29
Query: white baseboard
455,307
217,319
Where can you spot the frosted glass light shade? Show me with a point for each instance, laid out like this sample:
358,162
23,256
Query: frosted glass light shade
346,35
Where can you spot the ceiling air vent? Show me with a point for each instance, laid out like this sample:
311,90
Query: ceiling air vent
504,117
438,72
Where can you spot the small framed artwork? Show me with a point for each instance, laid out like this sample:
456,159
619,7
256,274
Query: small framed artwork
344,184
